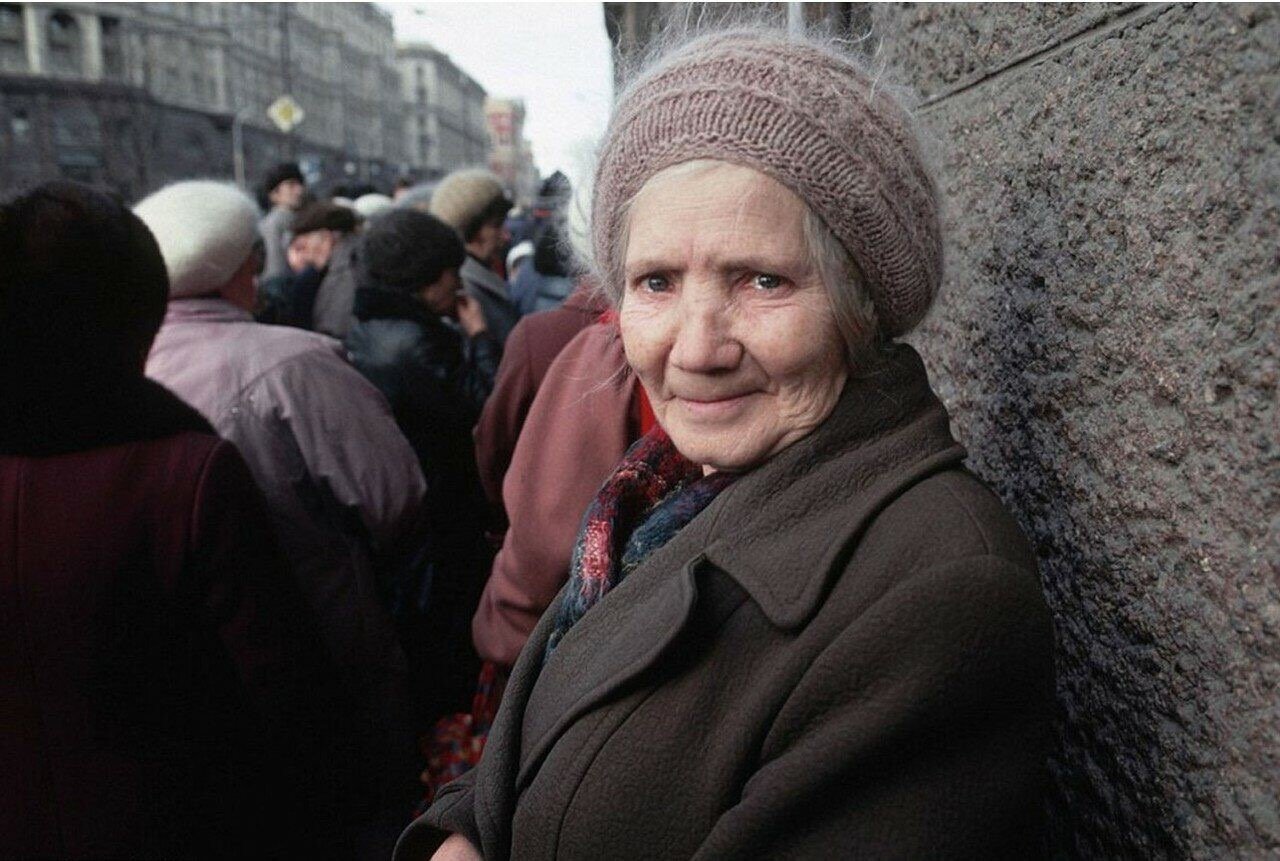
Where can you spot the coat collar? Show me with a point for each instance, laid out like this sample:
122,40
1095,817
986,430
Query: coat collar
205,309
47,417
888,431
478,276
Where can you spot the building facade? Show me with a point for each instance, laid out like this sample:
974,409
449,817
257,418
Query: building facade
444,118
511,156
137,95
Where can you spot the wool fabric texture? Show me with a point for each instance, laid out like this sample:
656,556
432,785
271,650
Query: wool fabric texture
465,195
804,116
205,231
650,497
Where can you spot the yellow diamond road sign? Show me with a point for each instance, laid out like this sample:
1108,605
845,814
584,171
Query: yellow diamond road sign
286,113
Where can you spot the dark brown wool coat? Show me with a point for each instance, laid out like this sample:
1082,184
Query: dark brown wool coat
847,654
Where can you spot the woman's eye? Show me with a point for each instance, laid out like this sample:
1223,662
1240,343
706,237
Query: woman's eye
764,281
654,283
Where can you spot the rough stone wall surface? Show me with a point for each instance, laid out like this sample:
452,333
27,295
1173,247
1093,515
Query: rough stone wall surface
1109,343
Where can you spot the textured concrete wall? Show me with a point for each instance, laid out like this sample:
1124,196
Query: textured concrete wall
1109,342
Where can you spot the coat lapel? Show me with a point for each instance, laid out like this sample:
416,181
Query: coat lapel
622,636
888,431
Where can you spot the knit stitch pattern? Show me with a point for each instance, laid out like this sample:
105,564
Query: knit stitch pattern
651,496
809,119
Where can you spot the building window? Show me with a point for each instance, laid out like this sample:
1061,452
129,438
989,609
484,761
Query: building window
20,126
112,49
64,44
13,51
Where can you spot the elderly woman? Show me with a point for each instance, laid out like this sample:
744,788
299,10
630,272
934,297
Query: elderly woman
795,625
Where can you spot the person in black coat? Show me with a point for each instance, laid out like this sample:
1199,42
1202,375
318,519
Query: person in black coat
436,376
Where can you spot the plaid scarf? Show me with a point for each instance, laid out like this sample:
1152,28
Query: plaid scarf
650,497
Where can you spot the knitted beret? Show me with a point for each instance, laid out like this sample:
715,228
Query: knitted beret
205,231
808,118
465,196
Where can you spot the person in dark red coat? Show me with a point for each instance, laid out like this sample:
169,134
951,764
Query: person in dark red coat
531,347
161,691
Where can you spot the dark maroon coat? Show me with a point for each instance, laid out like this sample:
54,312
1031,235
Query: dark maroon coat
156,668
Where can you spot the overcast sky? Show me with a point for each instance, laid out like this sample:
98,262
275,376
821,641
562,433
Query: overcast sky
556,56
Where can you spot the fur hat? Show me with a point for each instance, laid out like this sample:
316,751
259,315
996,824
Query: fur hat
324,215
205,231
405,250
278,174
807,117
465,199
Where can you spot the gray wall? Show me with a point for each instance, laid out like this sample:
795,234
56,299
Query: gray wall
1109,344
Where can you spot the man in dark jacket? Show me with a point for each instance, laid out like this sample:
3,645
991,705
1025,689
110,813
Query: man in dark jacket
436,379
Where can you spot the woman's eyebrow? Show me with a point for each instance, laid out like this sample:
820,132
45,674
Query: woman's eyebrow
757,263
646,264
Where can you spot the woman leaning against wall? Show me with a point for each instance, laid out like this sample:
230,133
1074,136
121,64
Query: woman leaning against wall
796,626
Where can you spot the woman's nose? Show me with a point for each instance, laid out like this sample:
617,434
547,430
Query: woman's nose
704,342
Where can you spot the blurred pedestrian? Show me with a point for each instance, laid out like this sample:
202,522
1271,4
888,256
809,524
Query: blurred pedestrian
533,345
474,203
342,484
283,192
436,379
163,692
587,411
317,291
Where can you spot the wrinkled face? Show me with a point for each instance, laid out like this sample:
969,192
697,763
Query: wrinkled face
441,296
724,315
287,194
489,239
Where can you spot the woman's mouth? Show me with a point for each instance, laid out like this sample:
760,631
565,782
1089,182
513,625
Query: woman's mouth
714,408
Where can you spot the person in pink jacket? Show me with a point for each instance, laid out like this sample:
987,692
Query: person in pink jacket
343,485
580,424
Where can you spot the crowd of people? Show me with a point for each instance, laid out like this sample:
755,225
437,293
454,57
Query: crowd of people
374,524
244,444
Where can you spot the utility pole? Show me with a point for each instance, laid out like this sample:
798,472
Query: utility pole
290,145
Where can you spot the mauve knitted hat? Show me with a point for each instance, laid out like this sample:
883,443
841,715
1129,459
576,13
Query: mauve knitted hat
804,116
205,230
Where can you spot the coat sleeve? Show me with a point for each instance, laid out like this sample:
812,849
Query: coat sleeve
575,434
919,732
452,812
348,440
504,413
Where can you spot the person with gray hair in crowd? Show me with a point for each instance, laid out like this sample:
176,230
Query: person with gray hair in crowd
474,203
342,484
795,625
